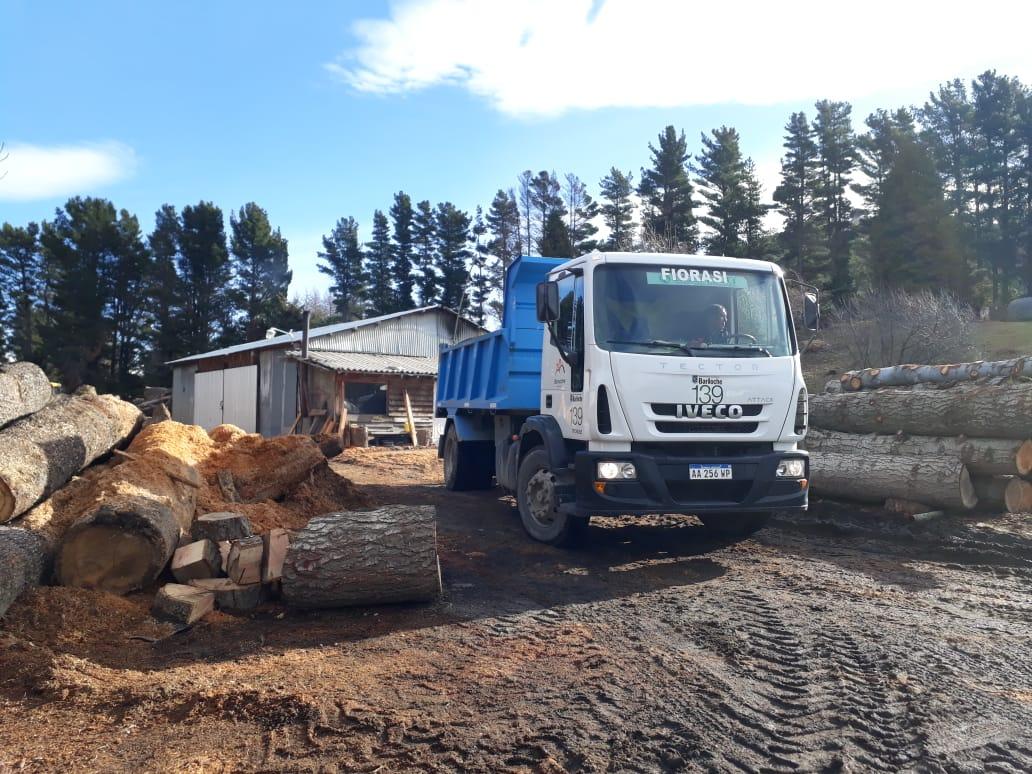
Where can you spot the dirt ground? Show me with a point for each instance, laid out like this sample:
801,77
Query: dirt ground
835,642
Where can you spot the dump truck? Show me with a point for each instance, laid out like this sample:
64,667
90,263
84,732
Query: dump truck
625,384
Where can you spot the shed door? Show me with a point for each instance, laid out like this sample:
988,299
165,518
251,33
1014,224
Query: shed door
240,398
208,399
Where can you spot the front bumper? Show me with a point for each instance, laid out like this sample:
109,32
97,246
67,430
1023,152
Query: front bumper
663,486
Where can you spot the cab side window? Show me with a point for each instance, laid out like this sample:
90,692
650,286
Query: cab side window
570,326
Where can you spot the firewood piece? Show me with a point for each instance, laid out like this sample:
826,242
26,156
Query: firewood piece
221,526
182,604
364,557
979,412
199,559
982,456
277,541
359,436
227,486
24,390
904,375
40,453
876,477
1018,496
244,565
23,560
230,595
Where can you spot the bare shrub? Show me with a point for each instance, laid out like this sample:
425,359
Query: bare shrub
889,327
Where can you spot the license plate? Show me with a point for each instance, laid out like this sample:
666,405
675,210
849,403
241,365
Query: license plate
709,472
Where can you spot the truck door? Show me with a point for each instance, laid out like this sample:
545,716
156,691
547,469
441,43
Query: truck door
564,378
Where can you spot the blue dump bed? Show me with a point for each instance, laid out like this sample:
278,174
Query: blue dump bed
501,370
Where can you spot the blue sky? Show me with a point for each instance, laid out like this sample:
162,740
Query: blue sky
319,110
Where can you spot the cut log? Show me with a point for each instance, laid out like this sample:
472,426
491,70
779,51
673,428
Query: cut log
291,470
196,560
978,412
182,604
222,526
24,390
227,486
982,456
991,492
124,542
244,565
874,478
904,375
277,541
1018,496
40,453
364,558
24,556
230,595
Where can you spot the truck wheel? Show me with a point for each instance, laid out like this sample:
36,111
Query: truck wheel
539,505
734,524
468,465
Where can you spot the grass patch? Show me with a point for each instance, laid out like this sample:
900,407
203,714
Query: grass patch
1004,340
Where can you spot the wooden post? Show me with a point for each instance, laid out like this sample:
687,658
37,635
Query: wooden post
411,420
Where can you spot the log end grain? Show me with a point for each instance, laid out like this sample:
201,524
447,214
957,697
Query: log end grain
221,526
1023,459
967,489
1018,496
183,604
7,502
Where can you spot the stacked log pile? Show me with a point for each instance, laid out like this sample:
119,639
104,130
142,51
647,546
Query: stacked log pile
950,437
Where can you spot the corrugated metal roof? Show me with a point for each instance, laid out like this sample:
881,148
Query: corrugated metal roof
361,362
295,337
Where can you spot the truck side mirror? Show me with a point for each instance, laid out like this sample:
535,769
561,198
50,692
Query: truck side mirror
547,302
811,311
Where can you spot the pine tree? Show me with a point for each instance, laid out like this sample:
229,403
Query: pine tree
503,223
261,280
755,236
836,161
379,267
402,217
668,218
343,261
947,120
206,273
914,241
876,150
479,275
547,201
525,188
555,239
581,209
800,237
165,296
618,210
429,280
21,288
127,308
452,237
720,171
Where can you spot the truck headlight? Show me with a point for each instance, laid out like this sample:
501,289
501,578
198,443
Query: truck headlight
792,468
610,471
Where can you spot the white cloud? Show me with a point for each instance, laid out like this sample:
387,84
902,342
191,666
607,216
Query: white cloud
44,172
542,57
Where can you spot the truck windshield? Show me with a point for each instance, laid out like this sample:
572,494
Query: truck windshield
690,311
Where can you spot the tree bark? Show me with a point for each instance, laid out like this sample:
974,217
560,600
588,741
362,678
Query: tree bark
24,390
40,453
24,557
978,412
124,541
1018,496
291,471
982,456
364,558
903,375
874,478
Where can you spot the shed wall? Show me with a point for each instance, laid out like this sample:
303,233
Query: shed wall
183,393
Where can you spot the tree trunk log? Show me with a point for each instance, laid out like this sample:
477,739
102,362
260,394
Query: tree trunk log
982,456
291,471
874,478
24,557
364,558
991,492
40,453
142,506
904,375
1018,496
24,390
978,412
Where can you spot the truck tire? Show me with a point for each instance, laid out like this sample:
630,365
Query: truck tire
734,524
467,465
538,504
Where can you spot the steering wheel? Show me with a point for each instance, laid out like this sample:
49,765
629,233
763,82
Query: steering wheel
736,336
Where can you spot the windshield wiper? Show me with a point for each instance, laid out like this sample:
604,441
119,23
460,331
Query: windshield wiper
656,343
736,348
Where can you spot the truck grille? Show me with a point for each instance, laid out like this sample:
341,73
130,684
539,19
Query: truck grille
670,409
707,427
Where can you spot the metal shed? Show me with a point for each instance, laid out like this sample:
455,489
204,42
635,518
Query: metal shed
256,385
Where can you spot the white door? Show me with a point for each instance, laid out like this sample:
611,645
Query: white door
208,399
227,397
240,398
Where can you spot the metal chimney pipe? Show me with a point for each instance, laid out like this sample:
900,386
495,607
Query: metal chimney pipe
307,317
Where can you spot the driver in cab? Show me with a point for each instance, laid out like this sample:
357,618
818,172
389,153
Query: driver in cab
714,327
